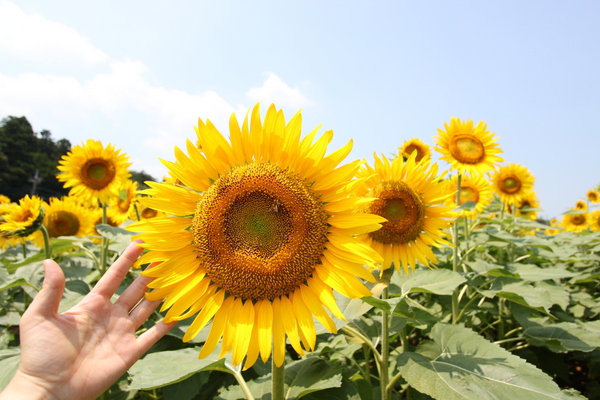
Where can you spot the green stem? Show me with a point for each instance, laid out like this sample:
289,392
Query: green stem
240,379
277,381
385,350
455,311
104,248
466,307
47,246
365,340
500,327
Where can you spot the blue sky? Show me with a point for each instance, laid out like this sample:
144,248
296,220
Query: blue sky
140,73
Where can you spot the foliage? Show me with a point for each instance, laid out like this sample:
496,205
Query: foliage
527,327
24,152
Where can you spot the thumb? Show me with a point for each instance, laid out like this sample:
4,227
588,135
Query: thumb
48,299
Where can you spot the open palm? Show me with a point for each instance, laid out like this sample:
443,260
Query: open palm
81,352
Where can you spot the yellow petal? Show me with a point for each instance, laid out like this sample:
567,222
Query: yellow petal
265,328
243,332
217,328
209,309
316,308
304,318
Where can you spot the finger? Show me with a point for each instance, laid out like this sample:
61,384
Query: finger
135,291
109,283
142,311
48,299
151,336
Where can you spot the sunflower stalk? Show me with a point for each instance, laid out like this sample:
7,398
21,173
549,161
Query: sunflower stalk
455,311
277,381
47,245
104,248
385,350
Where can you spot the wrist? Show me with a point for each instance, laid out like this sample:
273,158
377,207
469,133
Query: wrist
22,386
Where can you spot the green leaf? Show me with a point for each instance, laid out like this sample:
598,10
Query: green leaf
437,281
9,363
310,375
59,246
460,364
119,236
167,367
565,336
533,273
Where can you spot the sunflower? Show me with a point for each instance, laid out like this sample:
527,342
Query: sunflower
410,196
24,218
512,182
581,205
467,148
593,220
554,229
472,188
120,207
94,171
575,222
144,212
258,233
530,200
593,196
4,199
417,146
67,217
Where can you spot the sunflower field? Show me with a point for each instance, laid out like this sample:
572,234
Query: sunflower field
292,272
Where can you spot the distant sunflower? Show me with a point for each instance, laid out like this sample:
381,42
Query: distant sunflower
410,196
512,182
120,206
472,188
581,205
593,196
4,199
145,212
259,231
417,146
67,217
24,218
466,148
94,171
575,222
593,220
530,200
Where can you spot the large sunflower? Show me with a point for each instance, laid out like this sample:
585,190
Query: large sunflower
260,229
410,196
575,222
593,220
467,148
24,218
417,146
512,182
67,217
94,171
120,206
472,188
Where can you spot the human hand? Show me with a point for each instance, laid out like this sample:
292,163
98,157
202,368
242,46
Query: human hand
80,353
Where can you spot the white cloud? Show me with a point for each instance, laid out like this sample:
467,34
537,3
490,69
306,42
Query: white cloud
274,90
33,37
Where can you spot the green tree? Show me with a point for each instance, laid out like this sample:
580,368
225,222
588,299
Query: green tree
28,162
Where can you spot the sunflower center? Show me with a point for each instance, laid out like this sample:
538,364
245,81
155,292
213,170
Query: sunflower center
148,212
510,184
578,219
25,216
403,209
97,173
259,231
62,223
467,149
414,148
468,193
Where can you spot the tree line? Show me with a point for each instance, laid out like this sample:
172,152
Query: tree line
28,161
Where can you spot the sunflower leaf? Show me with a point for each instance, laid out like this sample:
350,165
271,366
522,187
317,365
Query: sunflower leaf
460,364
436,281
9,363
167,367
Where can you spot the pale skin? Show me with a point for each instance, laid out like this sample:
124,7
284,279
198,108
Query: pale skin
80,353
